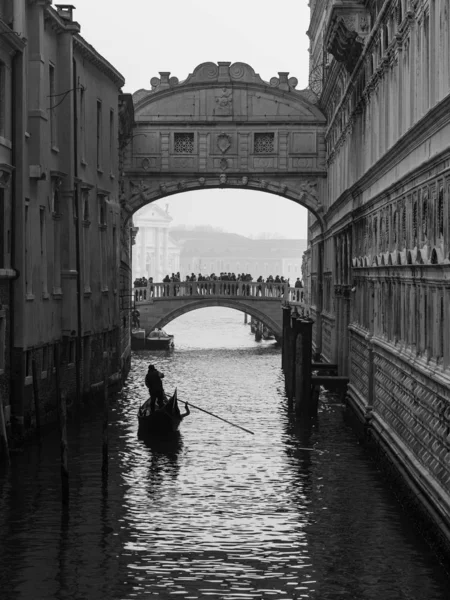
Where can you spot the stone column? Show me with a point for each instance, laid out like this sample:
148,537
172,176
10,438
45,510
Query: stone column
158,277
166,251
143,240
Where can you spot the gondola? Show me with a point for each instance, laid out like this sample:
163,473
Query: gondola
162,421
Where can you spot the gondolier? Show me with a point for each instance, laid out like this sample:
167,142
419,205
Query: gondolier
153,380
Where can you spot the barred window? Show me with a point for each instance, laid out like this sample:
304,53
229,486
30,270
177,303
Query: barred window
264,143
184,143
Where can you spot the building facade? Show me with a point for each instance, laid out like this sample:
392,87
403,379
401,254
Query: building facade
381,70
11,58
62,210
155,253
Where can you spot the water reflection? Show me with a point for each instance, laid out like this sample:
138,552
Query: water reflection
295,511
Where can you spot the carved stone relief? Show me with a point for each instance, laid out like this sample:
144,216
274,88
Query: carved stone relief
224,102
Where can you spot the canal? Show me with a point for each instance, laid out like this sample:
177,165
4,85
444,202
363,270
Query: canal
290,512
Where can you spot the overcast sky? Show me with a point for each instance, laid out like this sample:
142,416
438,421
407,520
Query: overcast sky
140,38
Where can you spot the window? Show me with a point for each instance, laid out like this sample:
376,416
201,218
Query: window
184,143
83,123
2,340
56,208
52,105
111,141
99,134
101,209
264,143
43,248
28,269
2,98
85,203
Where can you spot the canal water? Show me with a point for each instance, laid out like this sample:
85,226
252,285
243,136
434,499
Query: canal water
293,511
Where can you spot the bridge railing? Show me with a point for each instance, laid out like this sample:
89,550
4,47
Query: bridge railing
296,298
242,289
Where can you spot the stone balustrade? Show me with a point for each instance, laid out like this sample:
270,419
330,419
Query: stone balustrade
188,289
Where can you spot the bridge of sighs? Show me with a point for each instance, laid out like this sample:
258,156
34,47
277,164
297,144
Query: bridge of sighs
225,127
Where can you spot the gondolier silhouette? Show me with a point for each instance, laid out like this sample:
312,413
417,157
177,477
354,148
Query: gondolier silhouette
153,380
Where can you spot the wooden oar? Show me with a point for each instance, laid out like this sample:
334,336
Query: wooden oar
217,417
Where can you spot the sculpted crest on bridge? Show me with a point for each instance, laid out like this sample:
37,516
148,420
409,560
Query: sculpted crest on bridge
226,127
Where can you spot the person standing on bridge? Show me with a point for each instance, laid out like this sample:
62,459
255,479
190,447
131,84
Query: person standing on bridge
153,380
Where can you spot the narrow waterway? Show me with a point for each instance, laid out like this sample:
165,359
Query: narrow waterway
289,512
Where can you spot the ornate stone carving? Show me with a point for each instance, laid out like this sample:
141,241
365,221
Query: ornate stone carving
223,164
224,142
310,188
244,180
202,181
222,179
139,189
224,102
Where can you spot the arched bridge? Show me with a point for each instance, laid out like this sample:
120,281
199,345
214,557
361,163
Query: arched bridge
161,303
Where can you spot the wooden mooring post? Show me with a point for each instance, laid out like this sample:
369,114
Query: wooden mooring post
304,401
105,429
296,360
62,423
3,434
36,399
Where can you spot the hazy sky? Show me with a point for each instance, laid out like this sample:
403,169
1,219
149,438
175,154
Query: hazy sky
140,38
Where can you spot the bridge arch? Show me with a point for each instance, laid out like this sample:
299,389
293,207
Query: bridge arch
224,303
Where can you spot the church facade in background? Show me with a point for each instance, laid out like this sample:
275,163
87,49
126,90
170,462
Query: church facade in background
155,253
381,71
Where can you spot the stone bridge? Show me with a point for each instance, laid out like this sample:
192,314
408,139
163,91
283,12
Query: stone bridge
161,303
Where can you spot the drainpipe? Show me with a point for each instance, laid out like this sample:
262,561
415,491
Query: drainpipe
76,220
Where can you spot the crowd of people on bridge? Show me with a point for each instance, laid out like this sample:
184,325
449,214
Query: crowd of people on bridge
224,283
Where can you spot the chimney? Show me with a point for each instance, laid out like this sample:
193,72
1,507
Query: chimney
65,11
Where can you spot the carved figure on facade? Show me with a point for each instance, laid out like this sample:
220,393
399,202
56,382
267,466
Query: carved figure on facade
139,189
202,181
244,180
222,179
224,102
310,188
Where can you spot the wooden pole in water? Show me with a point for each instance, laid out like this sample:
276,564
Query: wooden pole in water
3,432
62,422
36,398
217,417
105,427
